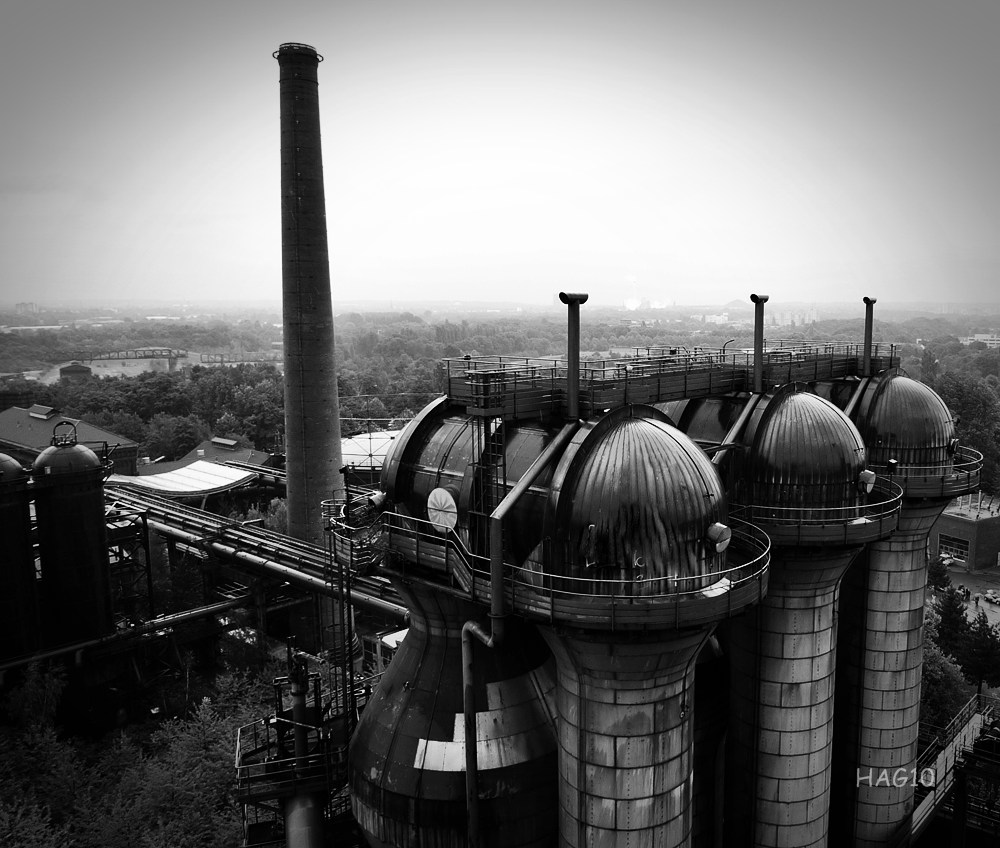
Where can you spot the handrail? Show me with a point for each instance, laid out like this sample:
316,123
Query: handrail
891,494
966,461
594,601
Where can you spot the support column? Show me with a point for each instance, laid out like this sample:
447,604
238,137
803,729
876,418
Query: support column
881,663
783,660
625,737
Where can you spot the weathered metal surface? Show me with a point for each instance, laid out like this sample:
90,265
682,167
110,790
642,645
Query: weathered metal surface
407,756
903,420
72,544
625,733
633,499
799,475
881,634
20,632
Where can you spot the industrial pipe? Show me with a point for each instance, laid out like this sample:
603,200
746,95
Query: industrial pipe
392,611
866,367
758,341
303,811
573,301
151,626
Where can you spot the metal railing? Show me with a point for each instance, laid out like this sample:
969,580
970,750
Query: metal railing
633,604
857,524
652,375
949,479
944,752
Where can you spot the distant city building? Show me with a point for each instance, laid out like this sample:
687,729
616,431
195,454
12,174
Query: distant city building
33,328
26,308
991,340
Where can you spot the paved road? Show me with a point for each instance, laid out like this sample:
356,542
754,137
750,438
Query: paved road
979,581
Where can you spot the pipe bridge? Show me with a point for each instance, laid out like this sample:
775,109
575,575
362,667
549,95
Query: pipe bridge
259,551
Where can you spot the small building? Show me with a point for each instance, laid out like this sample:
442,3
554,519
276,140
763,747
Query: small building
25,433
968,532
75,372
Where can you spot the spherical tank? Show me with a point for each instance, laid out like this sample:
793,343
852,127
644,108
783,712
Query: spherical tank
634,501
904,420
407,755
802,452
72,541
439,451
19,626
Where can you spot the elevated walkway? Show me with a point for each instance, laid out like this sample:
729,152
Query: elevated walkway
529,388
416,550
946,752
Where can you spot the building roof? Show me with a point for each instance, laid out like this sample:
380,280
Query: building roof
367,450
218,449
31,429
197,479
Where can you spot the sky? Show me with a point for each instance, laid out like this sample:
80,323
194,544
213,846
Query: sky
680,152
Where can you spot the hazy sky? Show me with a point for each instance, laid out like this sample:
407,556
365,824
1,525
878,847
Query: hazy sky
686,152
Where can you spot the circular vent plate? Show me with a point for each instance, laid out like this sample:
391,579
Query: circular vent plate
441,510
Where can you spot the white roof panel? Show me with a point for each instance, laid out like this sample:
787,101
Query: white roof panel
198,478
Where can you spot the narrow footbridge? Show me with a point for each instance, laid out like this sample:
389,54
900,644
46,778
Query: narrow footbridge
944,753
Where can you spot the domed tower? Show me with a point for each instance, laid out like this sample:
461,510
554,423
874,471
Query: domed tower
638,566
408,753
72,540
19,624
910,438
801,478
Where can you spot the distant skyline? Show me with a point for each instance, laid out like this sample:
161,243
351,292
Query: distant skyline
671,151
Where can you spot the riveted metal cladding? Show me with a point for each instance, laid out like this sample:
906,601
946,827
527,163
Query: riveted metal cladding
802,464
20,629
633,499
407,755
910,432
312,418
625,725
69,507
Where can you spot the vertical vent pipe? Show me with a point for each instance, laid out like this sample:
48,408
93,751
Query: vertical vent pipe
866,368
758,341
573,301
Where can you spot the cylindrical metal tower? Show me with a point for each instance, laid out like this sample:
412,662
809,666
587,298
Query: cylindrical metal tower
910,438
72,542
312,408
407,756
19,626
637,509
802,480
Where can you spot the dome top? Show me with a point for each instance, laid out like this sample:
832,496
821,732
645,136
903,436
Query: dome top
804,452
641,497
65,459
10,469
907,421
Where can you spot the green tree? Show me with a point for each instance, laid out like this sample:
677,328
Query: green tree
954,626
980,653
172,436
938,578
